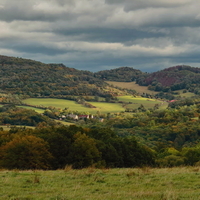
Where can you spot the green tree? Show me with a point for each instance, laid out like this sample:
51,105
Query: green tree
192,155
84,151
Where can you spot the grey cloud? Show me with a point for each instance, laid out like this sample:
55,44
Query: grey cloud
138,4
33,48
109,35
26,11
94,35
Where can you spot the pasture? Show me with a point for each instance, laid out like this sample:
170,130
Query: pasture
132,86
65,123
38,110
99,184
8,127
57,103
103,107
184,95
146,102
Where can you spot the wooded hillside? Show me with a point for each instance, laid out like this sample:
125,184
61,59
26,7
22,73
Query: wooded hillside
36,79
173,78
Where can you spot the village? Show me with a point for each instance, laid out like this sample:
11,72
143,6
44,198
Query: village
80,117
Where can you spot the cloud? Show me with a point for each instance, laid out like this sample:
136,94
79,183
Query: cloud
96,34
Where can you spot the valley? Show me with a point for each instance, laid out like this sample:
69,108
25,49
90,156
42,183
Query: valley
115,118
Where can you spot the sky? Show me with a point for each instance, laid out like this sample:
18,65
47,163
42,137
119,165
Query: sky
96,35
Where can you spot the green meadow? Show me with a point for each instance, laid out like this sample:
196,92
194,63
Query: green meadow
99,184
57,103
185,95
102,107
146,102
32,108
8,127
132,86
64,123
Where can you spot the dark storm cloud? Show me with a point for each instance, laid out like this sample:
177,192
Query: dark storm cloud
95,34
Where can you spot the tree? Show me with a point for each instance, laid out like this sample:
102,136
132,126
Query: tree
84,152
25,152
192,155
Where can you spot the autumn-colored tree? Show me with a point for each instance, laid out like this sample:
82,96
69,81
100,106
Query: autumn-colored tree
25,152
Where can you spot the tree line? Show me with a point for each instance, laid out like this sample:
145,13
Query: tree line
56,147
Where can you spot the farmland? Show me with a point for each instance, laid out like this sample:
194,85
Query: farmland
36,109
57,103
8,127
185,95
109,184
132,86
137,101
103,107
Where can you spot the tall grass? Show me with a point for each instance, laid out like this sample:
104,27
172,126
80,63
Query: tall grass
108,184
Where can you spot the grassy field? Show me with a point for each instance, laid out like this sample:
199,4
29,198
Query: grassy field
137,101
7,128
57,103
38,110
103,107
185,95
106,184
132,86
65,123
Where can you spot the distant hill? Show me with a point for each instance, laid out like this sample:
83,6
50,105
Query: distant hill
36,79
173,78
121,74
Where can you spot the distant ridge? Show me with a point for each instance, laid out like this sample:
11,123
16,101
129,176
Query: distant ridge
121,74
36,79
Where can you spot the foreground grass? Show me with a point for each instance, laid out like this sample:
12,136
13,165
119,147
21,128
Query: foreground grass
108,184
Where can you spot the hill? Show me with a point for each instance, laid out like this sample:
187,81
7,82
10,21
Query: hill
36,79
121,74
173,78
